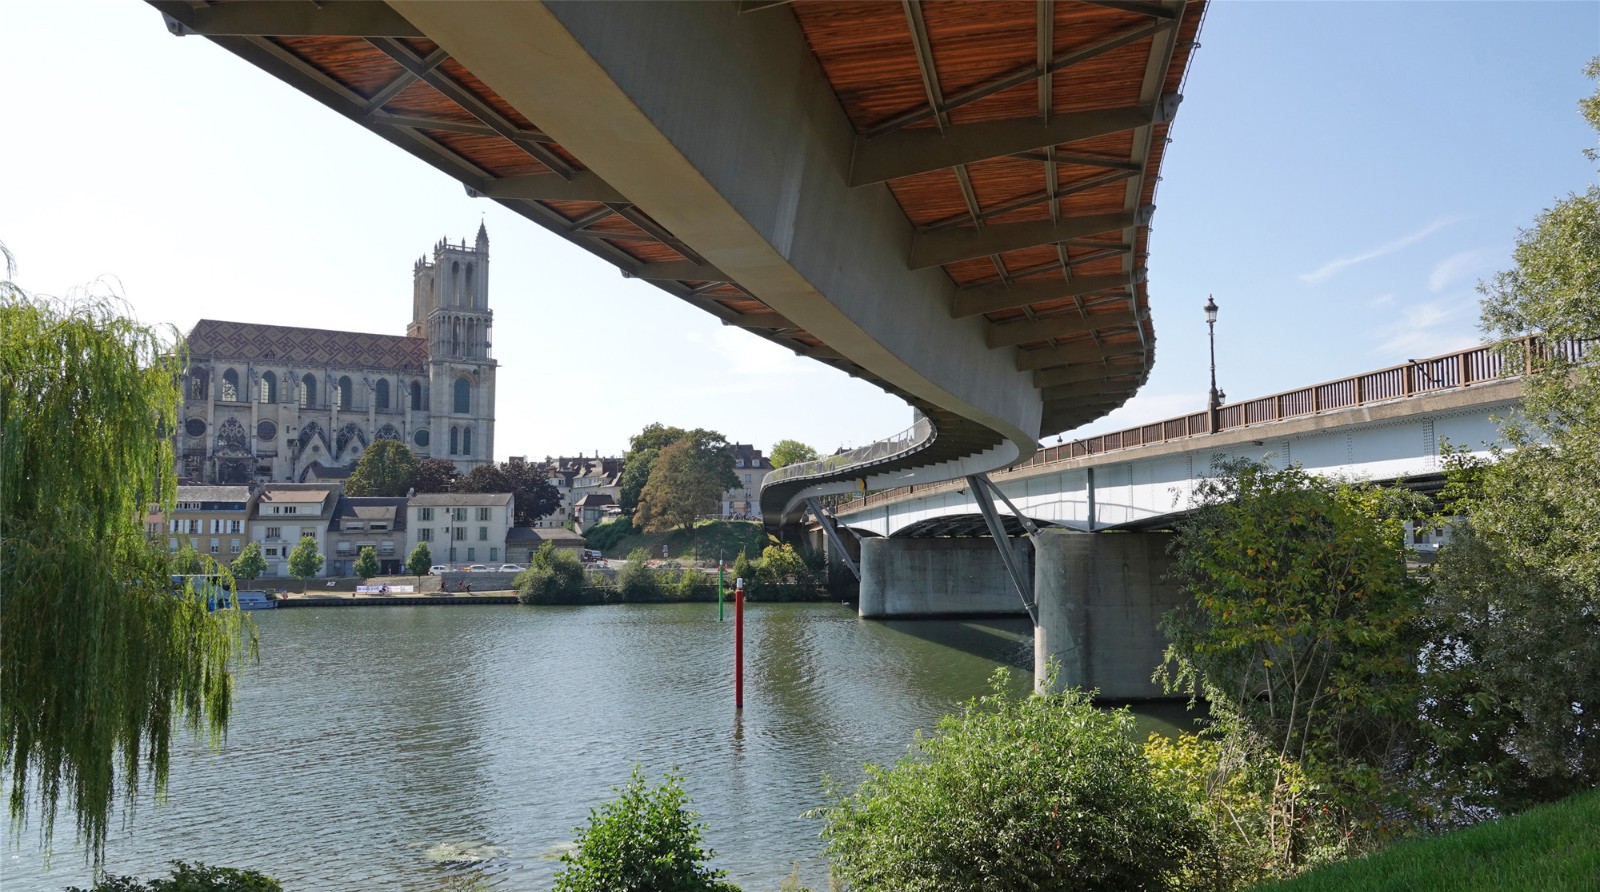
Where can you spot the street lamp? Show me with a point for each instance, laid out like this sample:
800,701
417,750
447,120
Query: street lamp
1215,398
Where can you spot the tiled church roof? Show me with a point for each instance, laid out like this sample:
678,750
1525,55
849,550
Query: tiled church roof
314,346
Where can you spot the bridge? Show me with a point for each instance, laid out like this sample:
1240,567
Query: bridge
930,549
948,200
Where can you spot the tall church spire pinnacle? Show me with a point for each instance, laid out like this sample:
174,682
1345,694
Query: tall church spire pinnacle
483,237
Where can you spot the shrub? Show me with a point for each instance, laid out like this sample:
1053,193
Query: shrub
694,585
190,878
1039,792
604,536
645,839
636,581
553,577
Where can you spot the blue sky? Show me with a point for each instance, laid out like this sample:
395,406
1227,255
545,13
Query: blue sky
1341,176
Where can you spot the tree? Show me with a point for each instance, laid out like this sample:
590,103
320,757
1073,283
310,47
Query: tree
195,877
420,561
388,468
367,563
101,662
1303,621
646,838
684,484
249,564
635,474
789,452
434,475
1512,683
1045,791
553,576
305,561
536,496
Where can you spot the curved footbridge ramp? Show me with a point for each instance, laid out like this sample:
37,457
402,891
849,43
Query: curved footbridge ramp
949,200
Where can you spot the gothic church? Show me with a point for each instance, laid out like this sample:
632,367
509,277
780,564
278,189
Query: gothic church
273,403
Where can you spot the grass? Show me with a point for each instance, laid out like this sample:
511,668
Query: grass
708,540
1552,848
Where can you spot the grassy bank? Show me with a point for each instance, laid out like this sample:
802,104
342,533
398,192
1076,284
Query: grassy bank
707,541
1551,848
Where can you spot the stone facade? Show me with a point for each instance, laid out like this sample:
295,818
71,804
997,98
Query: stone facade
273,403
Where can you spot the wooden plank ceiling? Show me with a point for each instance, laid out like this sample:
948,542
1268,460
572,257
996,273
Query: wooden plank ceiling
1022,139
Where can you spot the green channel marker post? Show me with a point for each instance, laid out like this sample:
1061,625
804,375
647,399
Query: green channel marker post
719,589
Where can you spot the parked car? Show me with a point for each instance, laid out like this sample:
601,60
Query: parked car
589,555
477,568
438,569
512,568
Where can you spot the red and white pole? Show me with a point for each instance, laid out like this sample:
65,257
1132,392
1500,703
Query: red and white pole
738,643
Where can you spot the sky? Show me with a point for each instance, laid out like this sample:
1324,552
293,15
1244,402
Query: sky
1341,176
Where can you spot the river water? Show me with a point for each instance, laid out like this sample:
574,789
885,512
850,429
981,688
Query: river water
431,748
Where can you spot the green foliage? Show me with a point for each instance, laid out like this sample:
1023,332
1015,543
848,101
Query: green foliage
420,559
636,581
101,661
605,536
789,452
686,481
711,460
743,568
780,564
1263,818
533,495
366,565
645,840
388,468
1548,848
694,585
190,878
1303,623
305,561
554,576
435,475
249,564
1045,791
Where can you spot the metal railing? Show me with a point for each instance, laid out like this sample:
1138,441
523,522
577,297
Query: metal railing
913,438
1477,365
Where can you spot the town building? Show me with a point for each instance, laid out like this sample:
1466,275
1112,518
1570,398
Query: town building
376,522
749,465
523,542
460,528
211,519
284,513
275,403
575,478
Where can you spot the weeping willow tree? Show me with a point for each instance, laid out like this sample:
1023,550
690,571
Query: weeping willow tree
100,662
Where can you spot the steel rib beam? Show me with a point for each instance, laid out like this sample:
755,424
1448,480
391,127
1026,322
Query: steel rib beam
930,249
1010,334
993,298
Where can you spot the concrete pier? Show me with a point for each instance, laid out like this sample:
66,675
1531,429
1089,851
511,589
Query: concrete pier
1100,598
938,577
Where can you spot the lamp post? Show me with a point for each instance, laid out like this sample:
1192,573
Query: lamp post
1214,399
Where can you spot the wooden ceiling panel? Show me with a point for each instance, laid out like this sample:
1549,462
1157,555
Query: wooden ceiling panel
929,198
423,101
499,156
866,51
351,61
458,73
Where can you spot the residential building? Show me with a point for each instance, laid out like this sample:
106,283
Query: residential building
575,478
285,512
749,465
275,403
460,528
593,508
522,542
211,519
378,522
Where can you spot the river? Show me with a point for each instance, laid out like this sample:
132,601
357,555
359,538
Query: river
433,748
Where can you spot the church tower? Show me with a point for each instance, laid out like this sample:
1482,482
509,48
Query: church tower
450,308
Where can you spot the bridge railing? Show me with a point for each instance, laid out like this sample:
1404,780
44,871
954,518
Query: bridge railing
914,437
1477,365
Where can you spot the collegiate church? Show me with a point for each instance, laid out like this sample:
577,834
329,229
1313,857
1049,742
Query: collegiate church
273,403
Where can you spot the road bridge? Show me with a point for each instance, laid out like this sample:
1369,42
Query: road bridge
1096,599
949,200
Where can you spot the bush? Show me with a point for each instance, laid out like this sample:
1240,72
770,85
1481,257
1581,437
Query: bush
553,577
1039,792
694,585
603,536
190,878
645,839
636,581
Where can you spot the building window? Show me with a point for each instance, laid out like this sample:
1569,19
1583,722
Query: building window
235,527
308,392
425,534
216,546
461,534
459,514
382,394
494,554
345,401
344,549
230,386
194,527
463,397
172,544
416,396
268,392
455,440
274,532
472,554
233,546
483,513
424,514
466,441
483,534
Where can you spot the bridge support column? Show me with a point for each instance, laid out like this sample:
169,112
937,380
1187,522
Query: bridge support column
938,577
1100,597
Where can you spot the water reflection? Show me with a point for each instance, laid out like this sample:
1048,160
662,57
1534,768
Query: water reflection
393,748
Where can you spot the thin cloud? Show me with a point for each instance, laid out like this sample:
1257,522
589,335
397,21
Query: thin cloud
1382,300
1333,267
1426,329
1453,268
